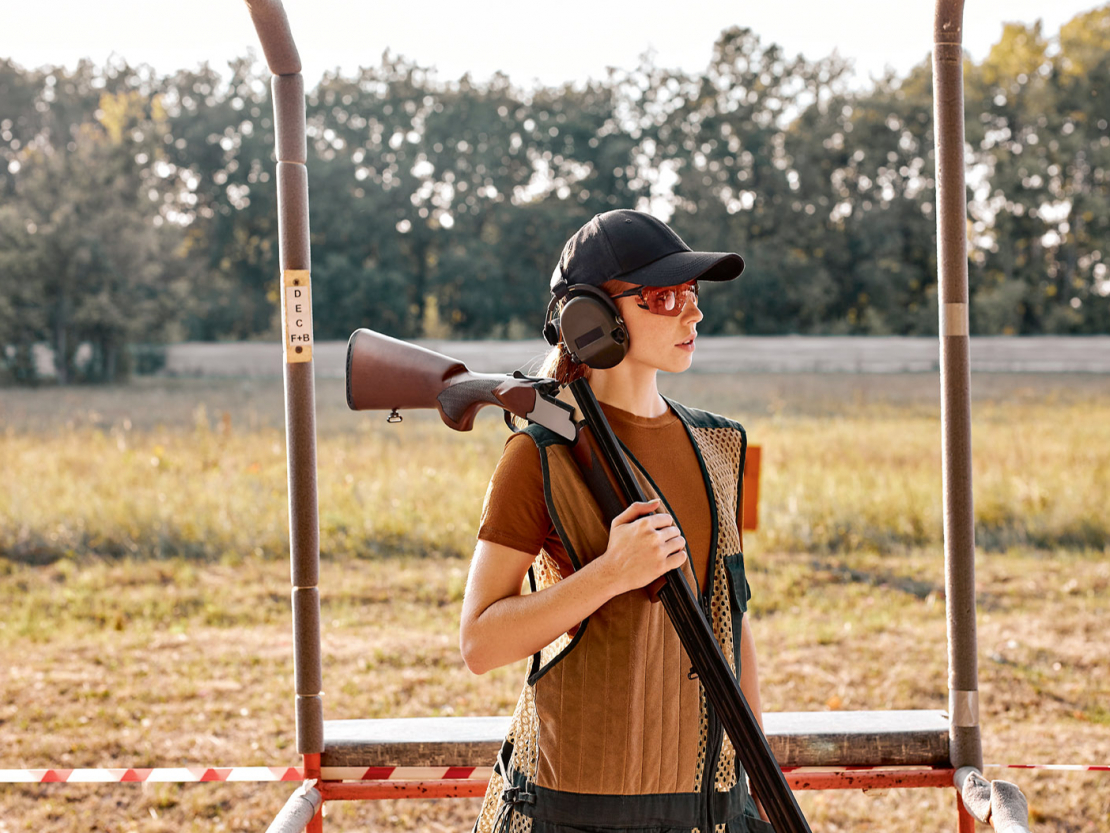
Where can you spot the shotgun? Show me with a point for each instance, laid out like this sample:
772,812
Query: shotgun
387,374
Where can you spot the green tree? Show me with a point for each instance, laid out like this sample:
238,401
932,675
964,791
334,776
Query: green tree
80,236
455,197
218,146
723,136
439,206
1040,220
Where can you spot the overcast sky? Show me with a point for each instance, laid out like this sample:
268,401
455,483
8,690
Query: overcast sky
570,40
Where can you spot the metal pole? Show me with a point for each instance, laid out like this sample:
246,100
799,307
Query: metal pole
287,87
955,380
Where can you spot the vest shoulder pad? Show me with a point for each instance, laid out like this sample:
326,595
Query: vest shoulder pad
543,437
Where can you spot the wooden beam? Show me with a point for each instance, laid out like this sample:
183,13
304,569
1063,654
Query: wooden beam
869,738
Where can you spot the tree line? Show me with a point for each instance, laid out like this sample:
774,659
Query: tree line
137,208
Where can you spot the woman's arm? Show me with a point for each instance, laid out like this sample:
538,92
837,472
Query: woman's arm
749,671
749,684
501,625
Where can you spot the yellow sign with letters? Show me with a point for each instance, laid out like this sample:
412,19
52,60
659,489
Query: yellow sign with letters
296,315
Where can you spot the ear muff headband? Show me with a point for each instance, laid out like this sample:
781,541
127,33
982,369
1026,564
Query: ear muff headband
589,325
551,321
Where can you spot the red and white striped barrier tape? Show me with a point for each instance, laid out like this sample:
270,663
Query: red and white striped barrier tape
166,775
193,774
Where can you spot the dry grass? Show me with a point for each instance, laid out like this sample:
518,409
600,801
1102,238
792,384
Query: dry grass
145,588
142,663
199,471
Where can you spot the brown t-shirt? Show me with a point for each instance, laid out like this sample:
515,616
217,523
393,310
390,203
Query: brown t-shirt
515,511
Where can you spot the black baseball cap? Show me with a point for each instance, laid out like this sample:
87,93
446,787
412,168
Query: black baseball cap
635,247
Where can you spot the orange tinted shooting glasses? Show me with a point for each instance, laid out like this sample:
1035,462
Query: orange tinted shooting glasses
663,300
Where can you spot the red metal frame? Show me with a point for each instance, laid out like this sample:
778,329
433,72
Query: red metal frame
878,779
834,779
966,820
377,790
312,771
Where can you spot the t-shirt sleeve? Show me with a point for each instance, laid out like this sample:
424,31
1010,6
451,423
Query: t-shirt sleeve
515,511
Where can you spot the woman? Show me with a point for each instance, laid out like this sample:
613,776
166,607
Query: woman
612,730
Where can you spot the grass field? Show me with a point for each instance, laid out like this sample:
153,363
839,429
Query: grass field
144,583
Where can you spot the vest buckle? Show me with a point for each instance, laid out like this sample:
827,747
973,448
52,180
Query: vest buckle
517,796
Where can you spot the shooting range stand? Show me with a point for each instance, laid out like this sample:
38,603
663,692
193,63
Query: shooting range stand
855,750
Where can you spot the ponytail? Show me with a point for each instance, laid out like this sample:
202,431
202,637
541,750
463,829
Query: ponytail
560,366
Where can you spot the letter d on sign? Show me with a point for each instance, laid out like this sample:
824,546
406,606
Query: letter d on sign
296,315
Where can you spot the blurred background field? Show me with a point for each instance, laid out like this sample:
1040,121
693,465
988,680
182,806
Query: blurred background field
144,577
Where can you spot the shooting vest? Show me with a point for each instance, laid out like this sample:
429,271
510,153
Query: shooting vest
613,729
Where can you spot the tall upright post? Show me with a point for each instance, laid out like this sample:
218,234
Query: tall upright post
287,87
955,381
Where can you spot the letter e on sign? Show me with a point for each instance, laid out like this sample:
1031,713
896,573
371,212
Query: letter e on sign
296,315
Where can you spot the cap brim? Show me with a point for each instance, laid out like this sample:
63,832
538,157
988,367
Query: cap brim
681,267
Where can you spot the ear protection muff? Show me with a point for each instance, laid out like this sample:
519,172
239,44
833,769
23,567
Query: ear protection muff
589,325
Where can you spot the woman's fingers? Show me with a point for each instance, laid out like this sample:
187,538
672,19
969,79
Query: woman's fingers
660,520
661,526
644,543
669,532
646,514
676,559
636,510
676,544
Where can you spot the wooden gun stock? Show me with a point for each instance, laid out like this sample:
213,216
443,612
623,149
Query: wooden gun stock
387,374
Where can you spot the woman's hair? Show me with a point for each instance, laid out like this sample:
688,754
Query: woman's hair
558,365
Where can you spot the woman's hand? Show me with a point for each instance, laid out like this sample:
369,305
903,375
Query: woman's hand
500,625
643,545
